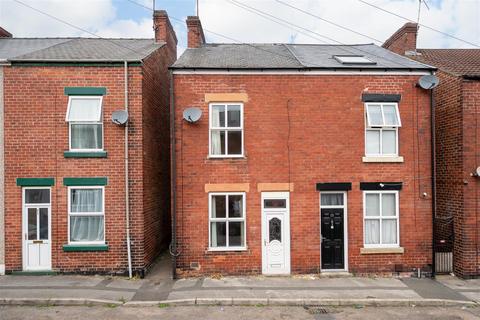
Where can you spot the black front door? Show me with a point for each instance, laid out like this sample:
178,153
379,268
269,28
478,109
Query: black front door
332,238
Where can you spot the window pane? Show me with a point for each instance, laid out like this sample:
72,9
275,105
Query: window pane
275,230
374,114
233,116
86,136
389,231
32,224
219,234
235,142
37,196
372,204
275,203
85,109
218,116
390,115
235,234
373,142
218,142
43,223
86,200
332,199
389,142
219,208
372,231
86,228
388,205
235,206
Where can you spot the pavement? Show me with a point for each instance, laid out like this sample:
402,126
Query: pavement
158,288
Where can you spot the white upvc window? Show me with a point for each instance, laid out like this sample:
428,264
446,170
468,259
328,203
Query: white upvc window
381,219
381,129
226,130
84,115
227,221
86,215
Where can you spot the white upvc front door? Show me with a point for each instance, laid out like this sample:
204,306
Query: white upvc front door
275,233
37,252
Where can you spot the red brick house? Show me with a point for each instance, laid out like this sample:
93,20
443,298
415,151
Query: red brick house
306,159
69,156
457,99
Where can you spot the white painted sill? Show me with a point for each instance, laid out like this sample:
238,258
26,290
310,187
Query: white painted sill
397,250
382,159
227,249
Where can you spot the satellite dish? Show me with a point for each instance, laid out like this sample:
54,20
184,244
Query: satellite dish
120,117
428,81
192,114
477,172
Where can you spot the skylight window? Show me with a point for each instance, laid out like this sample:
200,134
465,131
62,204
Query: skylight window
353,60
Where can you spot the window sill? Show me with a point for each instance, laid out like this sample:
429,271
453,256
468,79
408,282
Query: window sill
85,247
382,159
226,158
227,249
396,250
78,154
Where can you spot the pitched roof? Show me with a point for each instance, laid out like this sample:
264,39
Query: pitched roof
291,56
460,62
75,49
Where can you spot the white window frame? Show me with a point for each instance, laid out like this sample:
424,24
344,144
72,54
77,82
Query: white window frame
86,214
85,122
381,129
380,218
226,129
227,220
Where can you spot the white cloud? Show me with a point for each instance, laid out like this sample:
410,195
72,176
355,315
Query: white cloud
459,18
95,16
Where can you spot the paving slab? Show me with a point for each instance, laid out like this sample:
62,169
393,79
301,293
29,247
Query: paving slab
126,284
431,289
51,281
67,294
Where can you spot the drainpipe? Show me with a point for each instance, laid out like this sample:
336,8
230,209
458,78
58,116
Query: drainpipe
434,178
173,173
127,200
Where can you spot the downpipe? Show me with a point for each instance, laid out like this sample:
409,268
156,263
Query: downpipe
127,193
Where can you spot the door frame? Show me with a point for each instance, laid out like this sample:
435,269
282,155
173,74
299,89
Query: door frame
25,227
276,195
345,229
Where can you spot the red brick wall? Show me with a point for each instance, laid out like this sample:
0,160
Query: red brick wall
156,151
326,145
36,135
467,223
449,146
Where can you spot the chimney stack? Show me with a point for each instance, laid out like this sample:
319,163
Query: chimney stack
196,38
164,31
404,40
4,33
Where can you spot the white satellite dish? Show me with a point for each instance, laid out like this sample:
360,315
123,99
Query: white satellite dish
120,117
428,81
192,114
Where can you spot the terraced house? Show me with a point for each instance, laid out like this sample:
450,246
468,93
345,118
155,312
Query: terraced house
87,151
294,158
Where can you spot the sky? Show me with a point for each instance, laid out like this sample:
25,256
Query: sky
230,21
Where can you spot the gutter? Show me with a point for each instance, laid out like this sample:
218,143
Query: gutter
127,200
173,173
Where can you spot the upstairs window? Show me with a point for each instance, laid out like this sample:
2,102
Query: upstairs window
84,115
381,132
226,130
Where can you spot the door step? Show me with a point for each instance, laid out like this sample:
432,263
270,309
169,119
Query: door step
335,274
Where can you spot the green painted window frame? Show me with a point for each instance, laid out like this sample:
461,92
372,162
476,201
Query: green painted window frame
97,181
93,154
85,91
84,247
35,182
